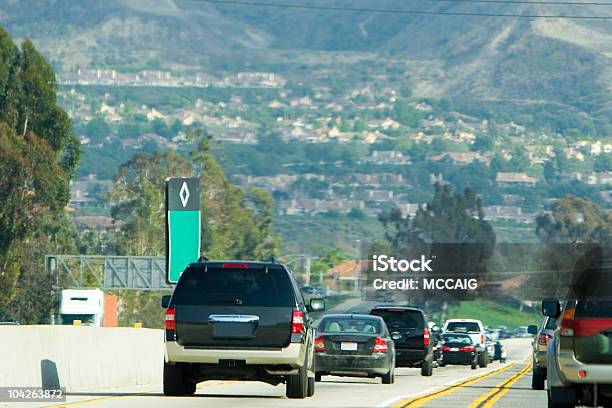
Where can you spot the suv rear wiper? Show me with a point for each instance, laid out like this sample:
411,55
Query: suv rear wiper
231,301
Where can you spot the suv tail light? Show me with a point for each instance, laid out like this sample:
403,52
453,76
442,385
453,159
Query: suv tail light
467,348
297,322
566,328
170,321
543,339
445,348
380,345
426,336
319,344
482,339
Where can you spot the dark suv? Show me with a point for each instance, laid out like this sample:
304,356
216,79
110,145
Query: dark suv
409,331
234,320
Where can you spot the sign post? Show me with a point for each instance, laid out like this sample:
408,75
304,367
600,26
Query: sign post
183,224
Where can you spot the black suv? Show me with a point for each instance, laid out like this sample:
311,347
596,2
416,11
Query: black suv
409,331
235,320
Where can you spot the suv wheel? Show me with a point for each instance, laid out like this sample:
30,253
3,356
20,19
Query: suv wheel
474,364
483,359
426,368
537,379
174,380
297,385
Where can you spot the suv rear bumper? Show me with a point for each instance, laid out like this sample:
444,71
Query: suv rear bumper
292,355
595,373
410,357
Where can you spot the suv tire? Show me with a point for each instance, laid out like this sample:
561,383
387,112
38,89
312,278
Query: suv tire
174,380
426,368
389,378
537,379
483,359
297,385
474,364
311,387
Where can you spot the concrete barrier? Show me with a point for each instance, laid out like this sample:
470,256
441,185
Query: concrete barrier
80,358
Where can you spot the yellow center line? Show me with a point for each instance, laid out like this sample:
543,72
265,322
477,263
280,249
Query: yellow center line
420,401
501,392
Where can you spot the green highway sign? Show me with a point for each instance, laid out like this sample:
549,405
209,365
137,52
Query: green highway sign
182,225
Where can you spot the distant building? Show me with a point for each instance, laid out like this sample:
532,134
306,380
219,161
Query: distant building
513,179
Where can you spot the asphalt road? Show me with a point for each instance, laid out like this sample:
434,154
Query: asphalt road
498,385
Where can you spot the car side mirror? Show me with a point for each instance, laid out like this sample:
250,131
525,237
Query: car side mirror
532,329
316,305
551,308
165,302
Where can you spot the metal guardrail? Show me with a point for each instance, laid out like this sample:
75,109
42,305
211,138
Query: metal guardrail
110,272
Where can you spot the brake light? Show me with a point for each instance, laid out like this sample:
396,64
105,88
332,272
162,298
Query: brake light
543,339
235,266
319,344
566,328
445,348
297,322
591,326
482,339
380,345
426,336
170,321
467,348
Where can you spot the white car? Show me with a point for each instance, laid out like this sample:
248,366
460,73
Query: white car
476,330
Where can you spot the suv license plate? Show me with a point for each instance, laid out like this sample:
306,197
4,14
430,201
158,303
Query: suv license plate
348,346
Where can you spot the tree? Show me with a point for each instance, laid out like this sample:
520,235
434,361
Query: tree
97,129
407,115
603,162
38,157
235,224
483,143
574,220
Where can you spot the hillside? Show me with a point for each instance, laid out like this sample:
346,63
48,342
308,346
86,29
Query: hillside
530,67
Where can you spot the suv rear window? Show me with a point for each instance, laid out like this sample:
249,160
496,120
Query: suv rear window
217,286
401,319
349,325
594,308
463,327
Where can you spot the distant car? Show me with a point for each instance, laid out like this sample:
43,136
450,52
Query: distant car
475,329
354,345
500,352
309,290
540,344
579,355
490,344
411,335
521,331
458,348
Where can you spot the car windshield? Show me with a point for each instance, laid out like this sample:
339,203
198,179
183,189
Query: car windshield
462,327
350,325
213,286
